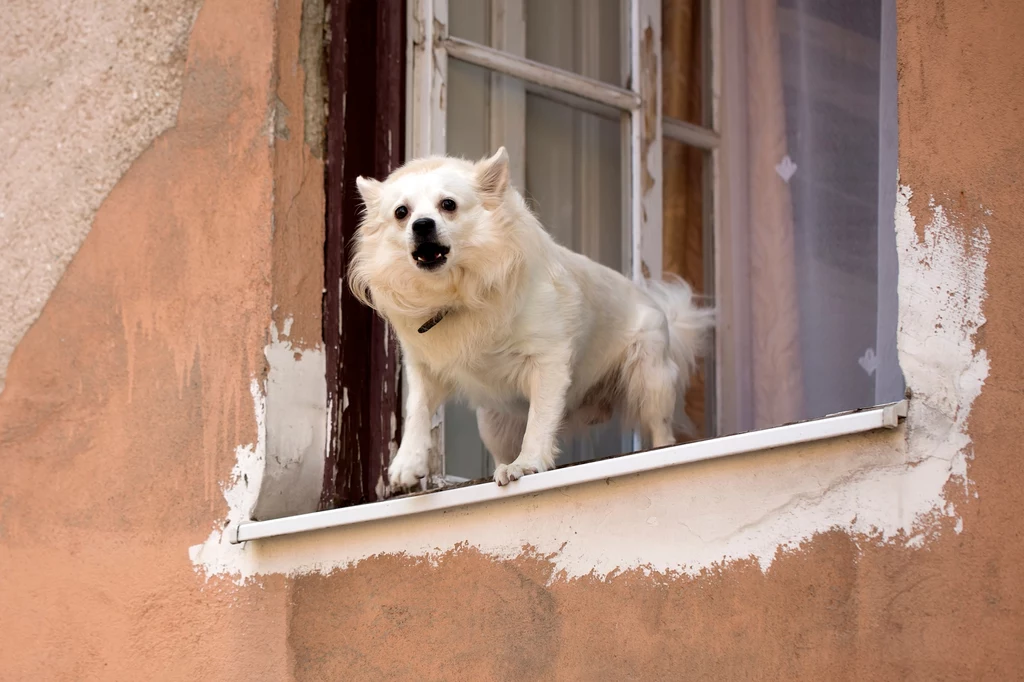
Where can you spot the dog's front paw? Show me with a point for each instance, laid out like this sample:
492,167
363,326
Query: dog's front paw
409,466
505,473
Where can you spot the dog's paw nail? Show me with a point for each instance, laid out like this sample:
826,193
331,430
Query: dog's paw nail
502,475
507,473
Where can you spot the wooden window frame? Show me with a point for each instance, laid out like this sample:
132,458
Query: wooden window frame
365,136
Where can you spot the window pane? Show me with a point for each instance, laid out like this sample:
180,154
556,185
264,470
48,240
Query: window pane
686,246
683,63
807,259
570,168
583,36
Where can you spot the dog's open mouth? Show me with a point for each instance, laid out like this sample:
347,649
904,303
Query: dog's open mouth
430,255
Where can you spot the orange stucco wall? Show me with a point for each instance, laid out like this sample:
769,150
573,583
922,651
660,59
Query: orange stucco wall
126,399
124,404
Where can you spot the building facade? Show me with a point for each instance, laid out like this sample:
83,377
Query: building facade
163,276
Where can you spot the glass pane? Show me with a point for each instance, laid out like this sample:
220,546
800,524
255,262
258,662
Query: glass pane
570,167
808,276
683,63
686,248
583,36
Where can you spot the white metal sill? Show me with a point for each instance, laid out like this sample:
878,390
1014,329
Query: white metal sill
881,417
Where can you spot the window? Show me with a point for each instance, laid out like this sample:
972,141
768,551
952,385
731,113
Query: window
795,164
748,146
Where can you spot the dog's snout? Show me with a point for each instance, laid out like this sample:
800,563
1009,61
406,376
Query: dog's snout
429,252
424,227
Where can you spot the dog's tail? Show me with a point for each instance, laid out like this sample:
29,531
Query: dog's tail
690,326
690,331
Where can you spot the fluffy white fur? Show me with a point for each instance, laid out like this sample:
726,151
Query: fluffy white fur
536,337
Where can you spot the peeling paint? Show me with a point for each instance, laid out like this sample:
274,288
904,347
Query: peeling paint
649,89
646,143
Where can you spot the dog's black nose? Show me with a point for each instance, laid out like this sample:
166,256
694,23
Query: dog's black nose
424,227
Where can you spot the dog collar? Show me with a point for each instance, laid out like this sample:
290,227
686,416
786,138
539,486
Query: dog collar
432,322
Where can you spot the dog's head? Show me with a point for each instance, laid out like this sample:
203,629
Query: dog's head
427,227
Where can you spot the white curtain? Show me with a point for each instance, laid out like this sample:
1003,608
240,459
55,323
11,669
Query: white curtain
807,254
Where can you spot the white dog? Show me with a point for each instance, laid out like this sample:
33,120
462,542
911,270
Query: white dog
487,306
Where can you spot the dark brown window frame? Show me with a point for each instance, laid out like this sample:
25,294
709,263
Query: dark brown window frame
365,136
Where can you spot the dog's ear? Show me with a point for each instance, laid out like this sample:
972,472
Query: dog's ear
369,190
492,176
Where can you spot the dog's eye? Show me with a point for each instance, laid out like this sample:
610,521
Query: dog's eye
448,205
401,212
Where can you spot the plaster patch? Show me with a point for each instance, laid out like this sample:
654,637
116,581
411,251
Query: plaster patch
216,556
941,298
886,486
296,435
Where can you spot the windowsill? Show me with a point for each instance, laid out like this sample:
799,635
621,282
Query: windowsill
869,419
